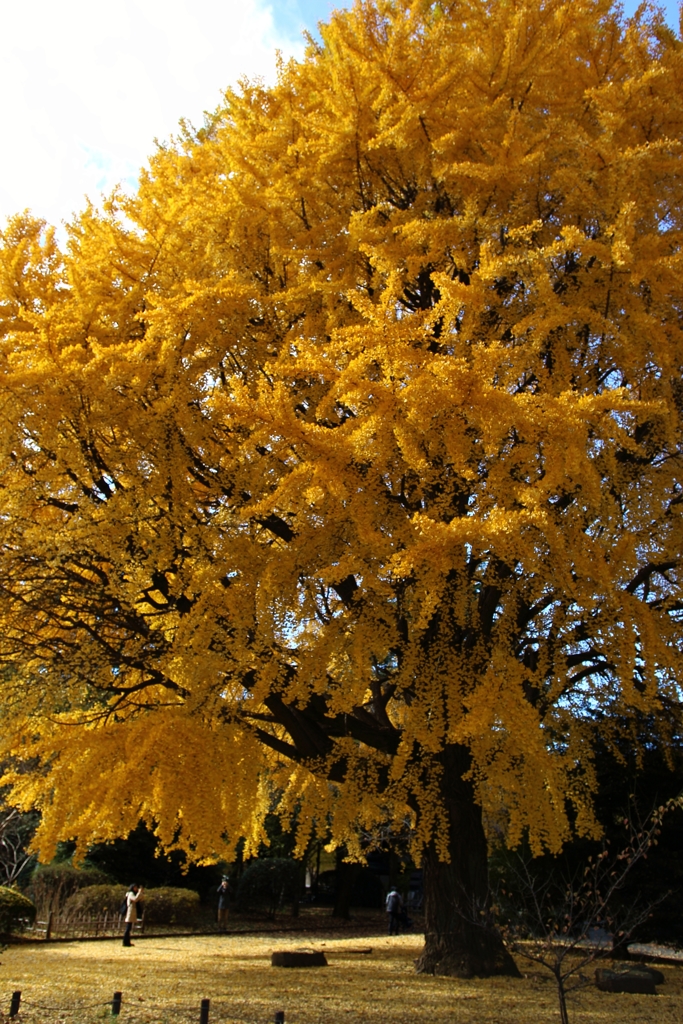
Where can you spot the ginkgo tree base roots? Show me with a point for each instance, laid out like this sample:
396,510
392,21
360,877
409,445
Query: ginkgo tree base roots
481,957
460,939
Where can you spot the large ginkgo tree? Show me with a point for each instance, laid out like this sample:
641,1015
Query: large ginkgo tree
341,465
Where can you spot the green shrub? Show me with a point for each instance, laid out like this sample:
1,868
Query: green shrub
170,906
51,885
15,911
268,884
161,906
96,899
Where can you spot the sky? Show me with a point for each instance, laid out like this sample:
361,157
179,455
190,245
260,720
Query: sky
87,85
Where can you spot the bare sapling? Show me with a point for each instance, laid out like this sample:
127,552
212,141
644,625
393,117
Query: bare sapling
557,923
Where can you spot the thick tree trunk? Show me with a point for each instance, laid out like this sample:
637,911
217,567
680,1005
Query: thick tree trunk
460,938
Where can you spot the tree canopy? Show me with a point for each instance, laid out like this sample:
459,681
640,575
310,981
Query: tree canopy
354,437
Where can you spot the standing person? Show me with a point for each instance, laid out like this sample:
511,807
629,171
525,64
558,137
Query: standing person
223,903
132,896
394,905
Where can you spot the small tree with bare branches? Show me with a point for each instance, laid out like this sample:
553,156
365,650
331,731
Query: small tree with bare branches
552,921
16,831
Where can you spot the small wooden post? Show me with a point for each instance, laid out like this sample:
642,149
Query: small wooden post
48,927
204,1011
116,1004
16,1002
279,1017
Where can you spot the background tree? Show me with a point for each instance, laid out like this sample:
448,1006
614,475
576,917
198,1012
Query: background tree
139,857
16,832
344,457
630,783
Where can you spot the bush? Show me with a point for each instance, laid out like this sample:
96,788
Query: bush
15,910
268,884
52,885
96,899
170,906
161,906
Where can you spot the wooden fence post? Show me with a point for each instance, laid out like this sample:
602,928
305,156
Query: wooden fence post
15,1004
204,1011
279,1017
116,1004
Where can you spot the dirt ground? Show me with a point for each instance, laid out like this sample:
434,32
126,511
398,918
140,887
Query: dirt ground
164,979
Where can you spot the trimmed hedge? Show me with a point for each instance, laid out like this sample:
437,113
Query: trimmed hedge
15,910
268,884
170,906
96,899
161,906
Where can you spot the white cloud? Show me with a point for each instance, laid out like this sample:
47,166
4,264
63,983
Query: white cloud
86,86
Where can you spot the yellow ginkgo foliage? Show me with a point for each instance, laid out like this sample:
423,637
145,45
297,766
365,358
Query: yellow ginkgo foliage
343,461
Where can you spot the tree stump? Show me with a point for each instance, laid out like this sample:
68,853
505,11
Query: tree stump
298,958
637,980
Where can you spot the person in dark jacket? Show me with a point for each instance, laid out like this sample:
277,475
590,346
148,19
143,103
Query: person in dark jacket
223,903
394,905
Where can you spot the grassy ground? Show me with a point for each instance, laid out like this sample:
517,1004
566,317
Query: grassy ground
164,979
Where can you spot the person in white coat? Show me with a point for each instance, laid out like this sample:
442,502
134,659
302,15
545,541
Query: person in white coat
132,896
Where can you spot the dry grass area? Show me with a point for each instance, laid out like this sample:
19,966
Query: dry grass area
164,979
